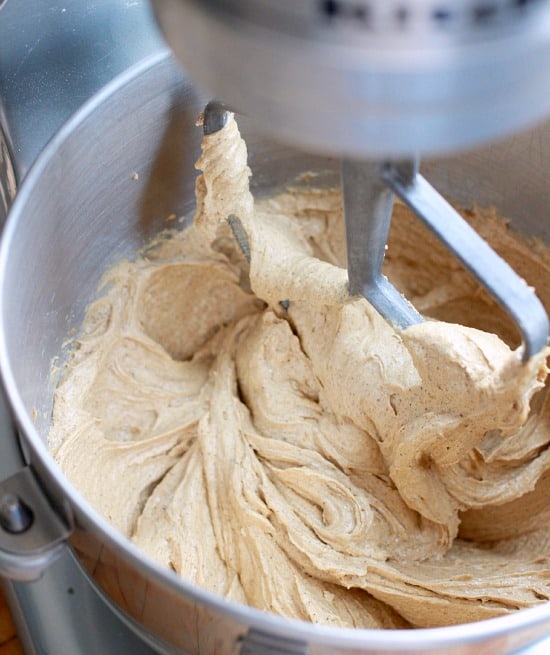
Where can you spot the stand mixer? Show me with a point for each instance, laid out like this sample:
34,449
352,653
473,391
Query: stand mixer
376,83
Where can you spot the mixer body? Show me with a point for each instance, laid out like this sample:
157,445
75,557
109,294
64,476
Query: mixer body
57,245
362,78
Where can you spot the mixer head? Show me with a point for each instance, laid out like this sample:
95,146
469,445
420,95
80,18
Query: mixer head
370,78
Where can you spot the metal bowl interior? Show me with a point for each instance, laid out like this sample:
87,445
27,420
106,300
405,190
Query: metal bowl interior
101,190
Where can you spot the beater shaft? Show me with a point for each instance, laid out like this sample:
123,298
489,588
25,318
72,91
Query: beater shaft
368,204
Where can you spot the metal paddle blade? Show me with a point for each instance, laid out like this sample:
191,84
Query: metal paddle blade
369,189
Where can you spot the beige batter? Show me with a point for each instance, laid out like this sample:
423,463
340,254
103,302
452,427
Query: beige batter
311,461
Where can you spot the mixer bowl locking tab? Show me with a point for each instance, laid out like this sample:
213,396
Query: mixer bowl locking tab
32,533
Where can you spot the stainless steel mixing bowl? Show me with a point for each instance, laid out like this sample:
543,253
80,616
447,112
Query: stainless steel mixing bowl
100,190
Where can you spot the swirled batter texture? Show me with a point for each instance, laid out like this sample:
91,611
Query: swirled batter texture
275,441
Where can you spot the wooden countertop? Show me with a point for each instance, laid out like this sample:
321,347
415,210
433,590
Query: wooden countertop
9,644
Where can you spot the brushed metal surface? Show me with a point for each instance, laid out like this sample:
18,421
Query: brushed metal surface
55,55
